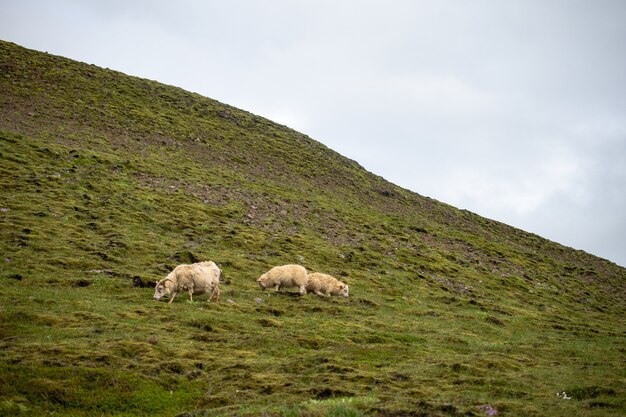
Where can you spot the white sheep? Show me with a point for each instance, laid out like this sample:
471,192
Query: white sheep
285,276
198,278
325,285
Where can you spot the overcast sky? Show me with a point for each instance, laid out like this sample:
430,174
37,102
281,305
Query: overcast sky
515,110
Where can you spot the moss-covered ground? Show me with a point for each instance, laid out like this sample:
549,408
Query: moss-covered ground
108,182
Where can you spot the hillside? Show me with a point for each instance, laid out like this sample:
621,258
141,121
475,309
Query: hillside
109,181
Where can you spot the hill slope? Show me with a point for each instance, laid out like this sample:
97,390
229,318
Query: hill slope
109,181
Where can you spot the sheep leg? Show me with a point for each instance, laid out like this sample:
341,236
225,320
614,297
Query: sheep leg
190,291
217,298
172,299
302,290
215,291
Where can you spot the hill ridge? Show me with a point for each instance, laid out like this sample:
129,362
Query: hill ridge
110,180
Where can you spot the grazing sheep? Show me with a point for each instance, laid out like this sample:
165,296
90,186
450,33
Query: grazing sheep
286,276
198,278
325,285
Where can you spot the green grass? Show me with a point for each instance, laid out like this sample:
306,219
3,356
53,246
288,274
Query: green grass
108,180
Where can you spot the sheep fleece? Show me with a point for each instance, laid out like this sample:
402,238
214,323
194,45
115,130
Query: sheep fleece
198,278
325,285
285,276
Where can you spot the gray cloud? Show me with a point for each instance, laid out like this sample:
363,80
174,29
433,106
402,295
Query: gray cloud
511,109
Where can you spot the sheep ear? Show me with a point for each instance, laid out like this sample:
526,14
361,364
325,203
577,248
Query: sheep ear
157,282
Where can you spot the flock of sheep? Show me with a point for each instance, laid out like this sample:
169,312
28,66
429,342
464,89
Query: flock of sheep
204,278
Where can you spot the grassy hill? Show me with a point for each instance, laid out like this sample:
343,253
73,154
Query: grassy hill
109,181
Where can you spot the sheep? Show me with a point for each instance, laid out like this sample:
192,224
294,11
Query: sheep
285,276
198,278
325,285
